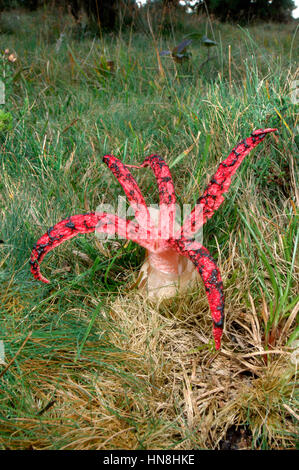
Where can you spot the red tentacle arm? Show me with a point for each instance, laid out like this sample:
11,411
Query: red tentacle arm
166,195
85,223
212,197
210,274
132,191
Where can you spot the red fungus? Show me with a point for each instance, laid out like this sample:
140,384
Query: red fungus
165,254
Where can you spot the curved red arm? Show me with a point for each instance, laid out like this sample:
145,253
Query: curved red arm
84,223
211,277
212,197
167,197
132,191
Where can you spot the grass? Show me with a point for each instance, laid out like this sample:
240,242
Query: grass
89,364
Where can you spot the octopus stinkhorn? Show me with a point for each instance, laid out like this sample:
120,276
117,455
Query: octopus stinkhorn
167,245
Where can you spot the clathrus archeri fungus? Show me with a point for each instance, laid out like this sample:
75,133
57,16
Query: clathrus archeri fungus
165,254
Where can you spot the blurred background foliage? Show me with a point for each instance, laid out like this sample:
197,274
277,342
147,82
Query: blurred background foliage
110,14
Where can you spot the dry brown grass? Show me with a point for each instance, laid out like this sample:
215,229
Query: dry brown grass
161,385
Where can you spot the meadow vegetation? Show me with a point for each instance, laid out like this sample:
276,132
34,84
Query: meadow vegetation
89,363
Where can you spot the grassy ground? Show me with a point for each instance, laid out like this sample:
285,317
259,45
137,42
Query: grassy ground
89,364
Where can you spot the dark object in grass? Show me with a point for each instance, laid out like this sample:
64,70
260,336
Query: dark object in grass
167,247
208,42
236,438
46,408
179,53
